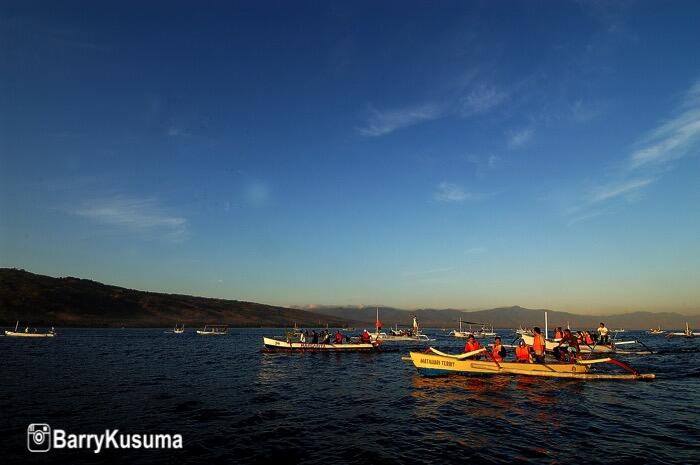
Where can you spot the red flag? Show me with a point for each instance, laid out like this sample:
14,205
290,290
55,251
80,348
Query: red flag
379,324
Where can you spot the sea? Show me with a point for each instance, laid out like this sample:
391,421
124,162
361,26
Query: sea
231,403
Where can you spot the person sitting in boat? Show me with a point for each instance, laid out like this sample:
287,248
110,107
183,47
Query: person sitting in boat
365,338
338,337
498,352
471,345
314,338
587,338
538,345
326,337
522,354
302,337
558,333
603,332
572,349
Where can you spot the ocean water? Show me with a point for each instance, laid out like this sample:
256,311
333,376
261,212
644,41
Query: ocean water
233,404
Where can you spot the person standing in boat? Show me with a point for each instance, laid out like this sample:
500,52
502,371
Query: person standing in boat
603,332
498,352
558,334
471,345
522,354
538,345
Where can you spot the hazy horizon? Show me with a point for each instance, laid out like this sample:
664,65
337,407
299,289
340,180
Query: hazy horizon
453,155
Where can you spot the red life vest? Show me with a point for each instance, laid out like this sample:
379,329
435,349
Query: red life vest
589,339
338,338
522,354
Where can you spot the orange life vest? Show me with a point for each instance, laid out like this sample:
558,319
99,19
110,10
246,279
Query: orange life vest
538,344
589,339
469,347
521,353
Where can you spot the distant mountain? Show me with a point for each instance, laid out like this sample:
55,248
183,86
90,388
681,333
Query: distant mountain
508,317
45,301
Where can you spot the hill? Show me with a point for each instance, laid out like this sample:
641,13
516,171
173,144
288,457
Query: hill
508,317
47,301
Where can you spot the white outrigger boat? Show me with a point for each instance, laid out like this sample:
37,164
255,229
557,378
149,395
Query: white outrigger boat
213,330
551,344
485,331
414,335
658,330
688,333
275,345
29,332
178,329
436,363
461,333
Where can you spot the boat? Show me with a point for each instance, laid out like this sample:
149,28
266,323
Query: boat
29,332
522,330
436,363
613,347
621,330
485,331
688,333
412,335
179,329
658,330
213,330
461,333
275,345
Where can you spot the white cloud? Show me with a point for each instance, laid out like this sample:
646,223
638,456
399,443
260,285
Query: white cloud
384,122
481,99
517,139
611,191
136,215
450,192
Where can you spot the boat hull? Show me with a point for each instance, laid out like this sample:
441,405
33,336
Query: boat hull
438,365
284,346
20,334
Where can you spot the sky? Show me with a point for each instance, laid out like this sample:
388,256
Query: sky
414,154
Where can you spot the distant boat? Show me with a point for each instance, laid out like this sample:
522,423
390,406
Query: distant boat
485,331
284,346
396,335
461,333
688,333
618,330
29,332
658,330
177,330
213,330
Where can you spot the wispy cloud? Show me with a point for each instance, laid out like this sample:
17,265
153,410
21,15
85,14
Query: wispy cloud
517,139
384,122
476,250
674,138
136,215
623,188
428,272
450,192
671,140
481,99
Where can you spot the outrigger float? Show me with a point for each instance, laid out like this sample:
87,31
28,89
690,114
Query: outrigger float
436,363
275,345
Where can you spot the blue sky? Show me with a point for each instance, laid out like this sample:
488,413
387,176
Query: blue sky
415,154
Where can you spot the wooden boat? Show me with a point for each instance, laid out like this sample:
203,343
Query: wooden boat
29,333
613,347
213,330
436,363
283,346
688,333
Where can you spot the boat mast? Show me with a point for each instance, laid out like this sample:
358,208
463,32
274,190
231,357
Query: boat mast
16,325
546,335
